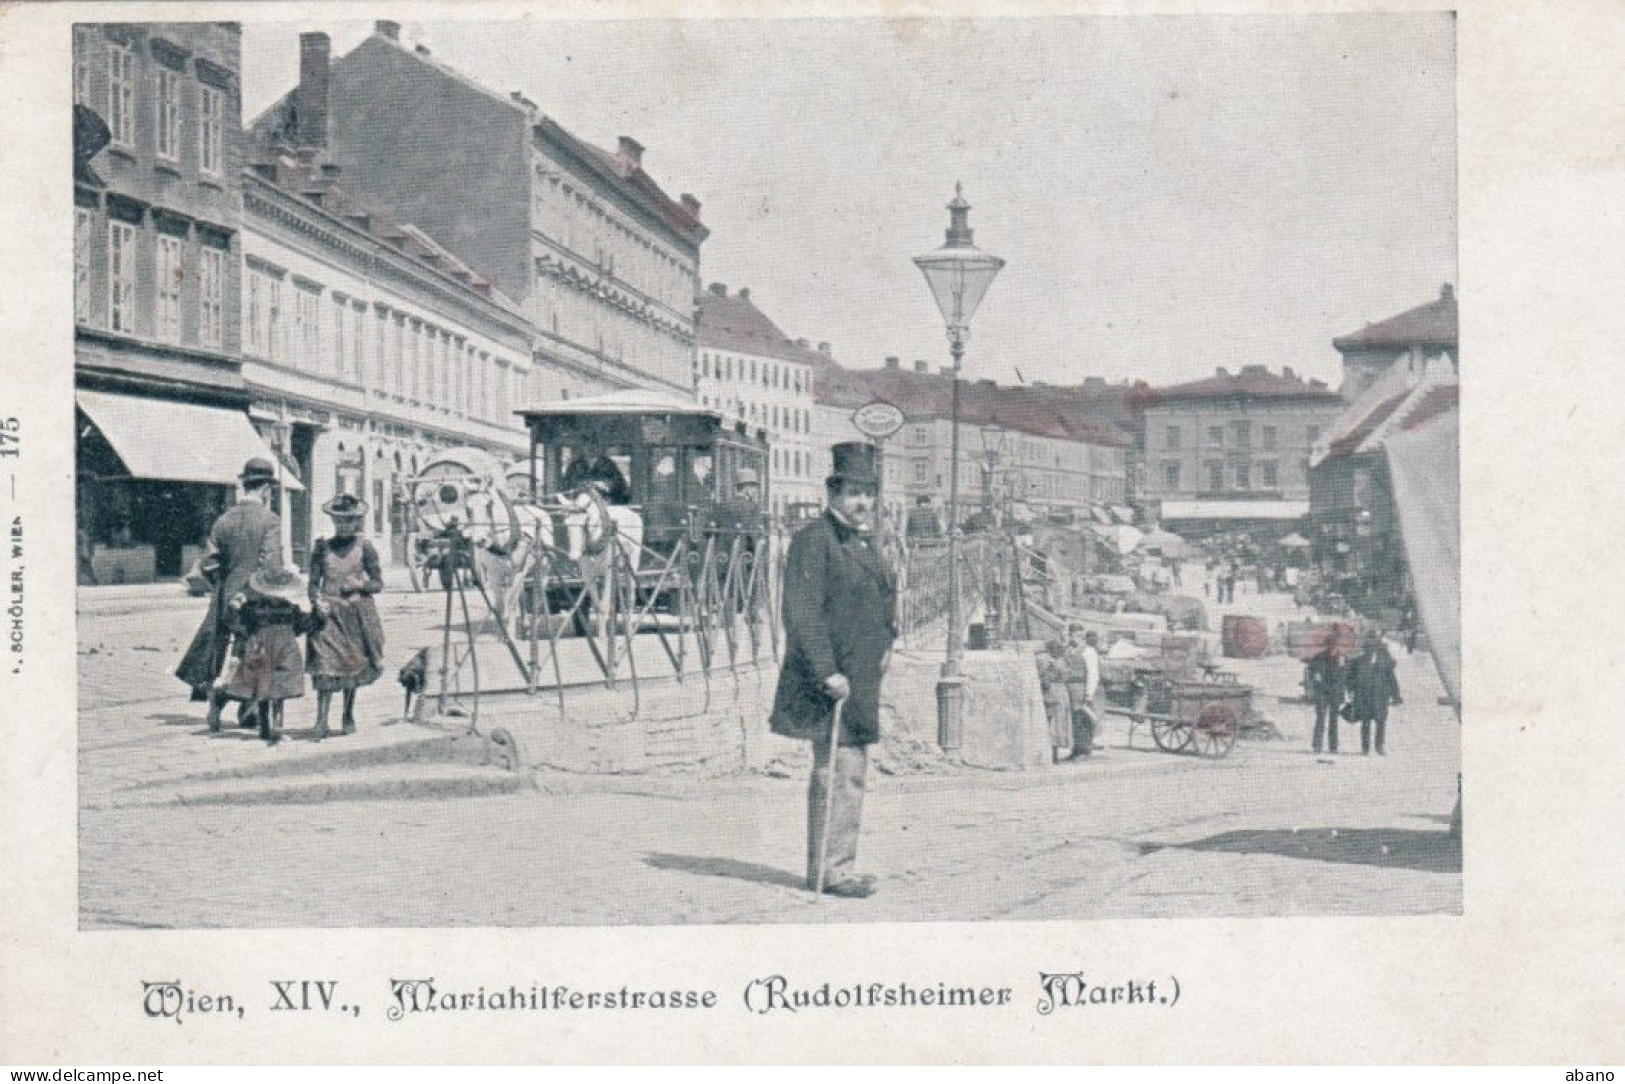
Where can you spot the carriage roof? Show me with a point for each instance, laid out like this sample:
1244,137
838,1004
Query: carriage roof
624,417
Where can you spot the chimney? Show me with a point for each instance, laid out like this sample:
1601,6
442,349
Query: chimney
1447,292
986,382
720,289
1286,371
630,154
311,97
690,204
802,343
421,49
823,348
921,367
388,29
1222,371
893,362
744,293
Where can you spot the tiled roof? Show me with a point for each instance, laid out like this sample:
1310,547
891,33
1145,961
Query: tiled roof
312,182
1036,411
733,322
1349,442
637,184
1433,324
1253,381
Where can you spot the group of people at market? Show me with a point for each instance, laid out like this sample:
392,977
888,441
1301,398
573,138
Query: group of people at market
247,650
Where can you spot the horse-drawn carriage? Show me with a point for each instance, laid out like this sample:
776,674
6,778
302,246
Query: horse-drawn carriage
631,514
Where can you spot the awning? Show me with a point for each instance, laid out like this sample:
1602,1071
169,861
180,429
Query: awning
1235,510
177,442
1123,513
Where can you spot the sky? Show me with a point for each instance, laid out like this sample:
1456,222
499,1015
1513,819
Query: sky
1171,193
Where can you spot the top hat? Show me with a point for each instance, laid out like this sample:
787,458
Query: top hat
278,583
854,461
745,477
345,504
258,469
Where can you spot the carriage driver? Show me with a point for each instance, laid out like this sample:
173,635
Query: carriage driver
591,465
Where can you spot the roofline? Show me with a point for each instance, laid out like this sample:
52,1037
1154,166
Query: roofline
557,135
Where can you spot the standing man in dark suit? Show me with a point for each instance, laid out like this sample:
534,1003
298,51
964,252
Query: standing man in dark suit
246,538
840,605
1372,687
1326,676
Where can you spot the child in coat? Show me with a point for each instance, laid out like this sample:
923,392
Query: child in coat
270,670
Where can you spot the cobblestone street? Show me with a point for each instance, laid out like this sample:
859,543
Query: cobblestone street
1270,830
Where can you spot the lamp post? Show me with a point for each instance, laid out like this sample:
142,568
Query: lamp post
959,275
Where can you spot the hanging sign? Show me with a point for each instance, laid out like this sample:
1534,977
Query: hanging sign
877,420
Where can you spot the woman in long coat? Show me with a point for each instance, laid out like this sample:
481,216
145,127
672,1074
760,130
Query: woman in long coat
345,573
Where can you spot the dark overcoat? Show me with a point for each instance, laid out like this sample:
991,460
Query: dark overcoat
1372,685
246,537
840,608
1328,678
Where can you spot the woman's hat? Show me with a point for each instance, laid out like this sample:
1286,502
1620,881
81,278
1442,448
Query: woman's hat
854,461
258,470
345,504
278,583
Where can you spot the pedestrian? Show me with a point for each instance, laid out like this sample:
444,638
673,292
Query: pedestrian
1052,679
1326,678
344,575
1083,665
270,670
840,603
1372,688
244,539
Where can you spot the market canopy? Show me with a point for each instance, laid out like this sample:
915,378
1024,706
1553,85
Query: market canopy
1425,466
1294,541
171,441
1235,510
1165,542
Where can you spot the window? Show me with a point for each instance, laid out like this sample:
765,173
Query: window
307,330
211,296
1268,475
1215,436
211,114
1312,434
253,312
120,94
169,114
81,77
1244,476
1171,438
1244,434
82,221
171,273
358,343
121,276
275,340
1269,438
341,361
1170,475
919,472
1215,477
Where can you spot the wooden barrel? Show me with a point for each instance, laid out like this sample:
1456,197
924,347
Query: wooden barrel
1244,637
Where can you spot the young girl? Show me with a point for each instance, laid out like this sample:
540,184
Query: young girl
268,614
344,575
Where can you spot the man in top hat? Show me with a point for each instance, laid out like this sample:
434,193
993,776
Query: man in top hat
840,604
747,487
246,538
1372,688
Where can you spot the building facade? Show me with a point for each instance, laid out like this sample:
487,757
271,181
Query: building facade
1234,446
161,428
366,348
1428,330
749,369
1021,452
604,263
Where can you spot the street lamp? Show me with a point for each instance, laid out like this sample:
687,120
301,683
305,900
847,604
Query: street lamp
959,275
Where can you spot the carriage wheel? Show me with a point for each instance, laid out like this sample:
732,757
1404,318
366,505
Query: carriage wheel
1214,733
1171,735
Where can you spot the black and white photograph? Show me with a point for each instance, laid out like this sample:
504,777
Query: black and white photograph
830,533
546,476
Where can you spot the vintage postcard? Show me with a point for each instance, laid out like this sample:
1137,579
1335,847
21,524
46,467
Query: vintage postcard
962,535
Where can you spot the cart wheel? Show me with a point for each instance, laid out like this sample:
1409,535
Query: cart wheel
1171,735
1214,733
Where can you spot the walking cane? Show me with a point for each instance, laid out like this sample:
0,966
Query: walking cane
829,801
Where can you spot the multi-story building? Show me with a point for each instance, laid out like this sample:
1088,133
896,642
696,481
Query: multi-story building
1406,373
161,432
1428,330
366,345
1019,452
1232,450
749,369
604,263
